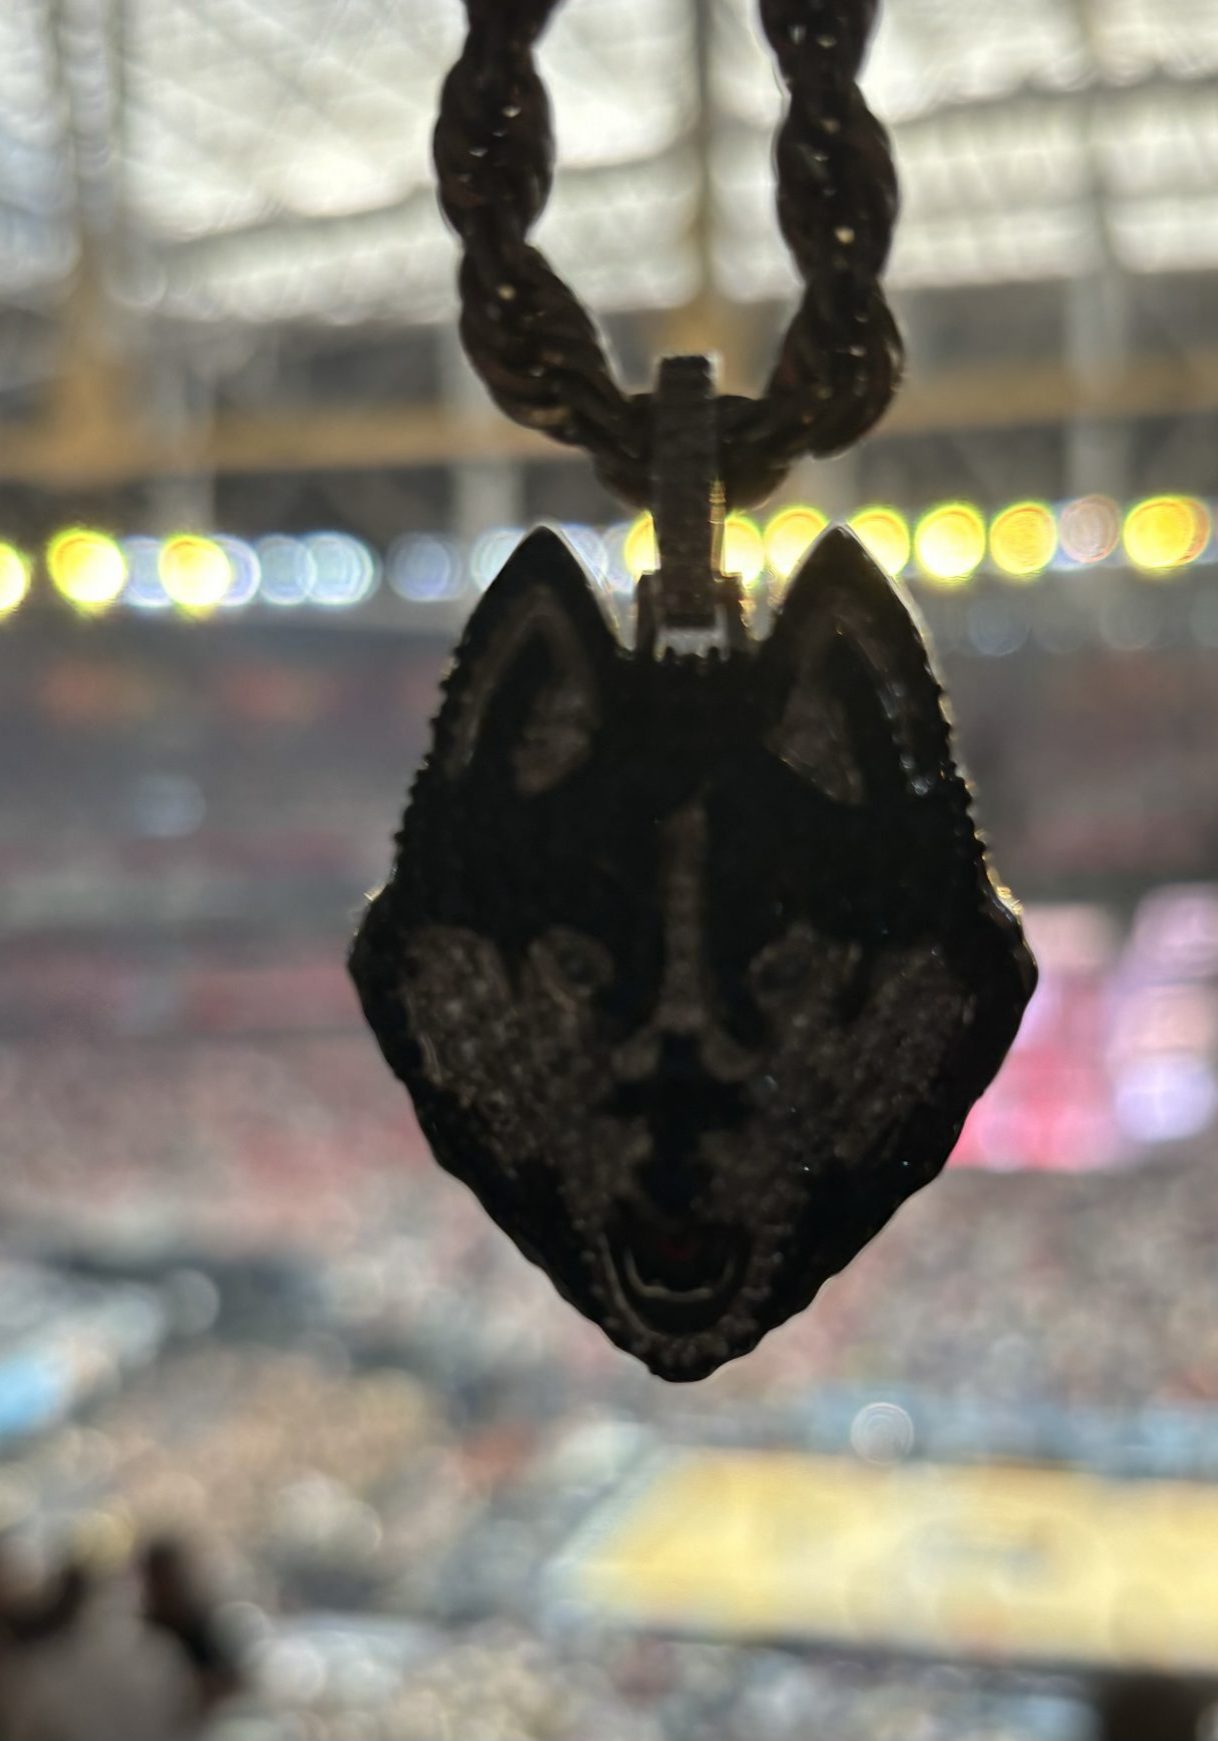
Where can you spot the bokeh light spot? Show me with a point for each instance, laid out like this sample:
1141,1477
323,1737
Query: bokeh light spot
617,572
1023,540
949,543
639,550
14,578
246,573
789,536
743,549
590,547
884,534
195,572
87,568
1166,533
345,571
145,590
1089,528
490,552
286,570
423,568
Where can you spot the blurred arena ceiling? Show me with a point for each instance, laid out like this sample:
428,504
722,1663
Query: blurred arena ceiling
268,160
190,174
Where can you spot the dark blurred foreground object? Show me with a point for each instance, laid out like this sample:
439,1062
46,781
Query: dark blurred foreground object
177,1604
1149,1707
691,959
27,1617
133,1656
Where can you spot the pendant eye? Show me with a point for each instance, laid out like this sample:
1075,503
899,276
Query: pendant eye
574,964
785,965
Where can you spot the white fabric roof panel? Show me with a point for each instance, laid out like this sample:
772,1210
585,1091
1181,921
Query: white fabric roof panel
1030,138
37,246
247,121
270,159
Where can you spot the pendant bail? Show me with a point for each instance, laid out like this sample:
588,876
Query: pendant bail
688,596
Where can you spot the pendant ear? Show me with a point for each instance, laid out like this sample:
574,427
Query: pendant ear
525,696
857,707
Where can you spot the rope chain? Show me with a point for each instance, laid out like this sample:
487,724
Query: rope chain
534,344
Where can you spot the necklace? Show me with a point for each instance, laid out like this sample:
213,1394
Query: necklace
691,958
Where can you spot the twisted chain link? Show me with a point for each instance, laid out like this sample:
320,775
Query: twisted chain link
534,344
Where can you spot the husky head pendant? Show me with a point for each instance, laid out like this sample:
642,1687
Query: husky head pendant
692,965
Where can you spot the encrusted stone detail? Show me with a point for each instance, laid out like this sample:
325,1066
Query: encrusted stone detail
693,967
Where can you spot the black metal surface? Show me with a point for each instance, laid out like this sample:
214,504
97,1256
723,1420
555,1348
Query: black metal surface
688,593
693,967
536,347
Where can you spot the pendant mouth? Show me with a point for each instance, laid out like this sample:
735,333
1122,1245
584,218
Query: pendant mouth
676,1277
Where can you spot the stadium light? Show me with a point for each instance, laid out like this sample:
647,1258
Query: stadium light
489,553
287,570
145,590
743,549
87,568
1165,533
195,572
423,568
1089,529
345,572
884,534
1158,537
246,575
639,549
15,569
949,543
589,545
789,536
1023,540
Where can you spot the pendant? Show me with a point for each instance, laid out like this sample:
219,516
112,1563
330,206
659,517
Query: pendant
691,960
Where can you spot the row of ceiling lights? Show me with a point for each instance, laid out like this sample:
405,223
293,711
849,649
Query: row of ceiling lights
945,547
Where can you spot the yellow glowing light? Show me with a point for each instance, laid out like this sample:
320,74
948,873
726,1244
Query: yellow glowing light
1023,540
788,538
885,536
949,543
1090,528
1164,533
639,547
14,578
743,549
195,572
88,568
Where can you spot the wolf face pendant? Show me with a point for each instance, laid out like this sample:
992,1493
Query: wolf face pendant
693,967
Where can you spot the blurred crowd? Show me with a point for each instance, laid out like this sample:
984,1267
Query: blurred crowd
1064,1288
235,1140
504,1682
377,1416
402,1441
141,1650
1024,1288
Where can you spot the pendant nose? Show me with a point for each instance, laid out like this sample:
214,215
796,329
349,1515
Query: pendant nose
679,1104
671,1183
683,1038
680,1059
